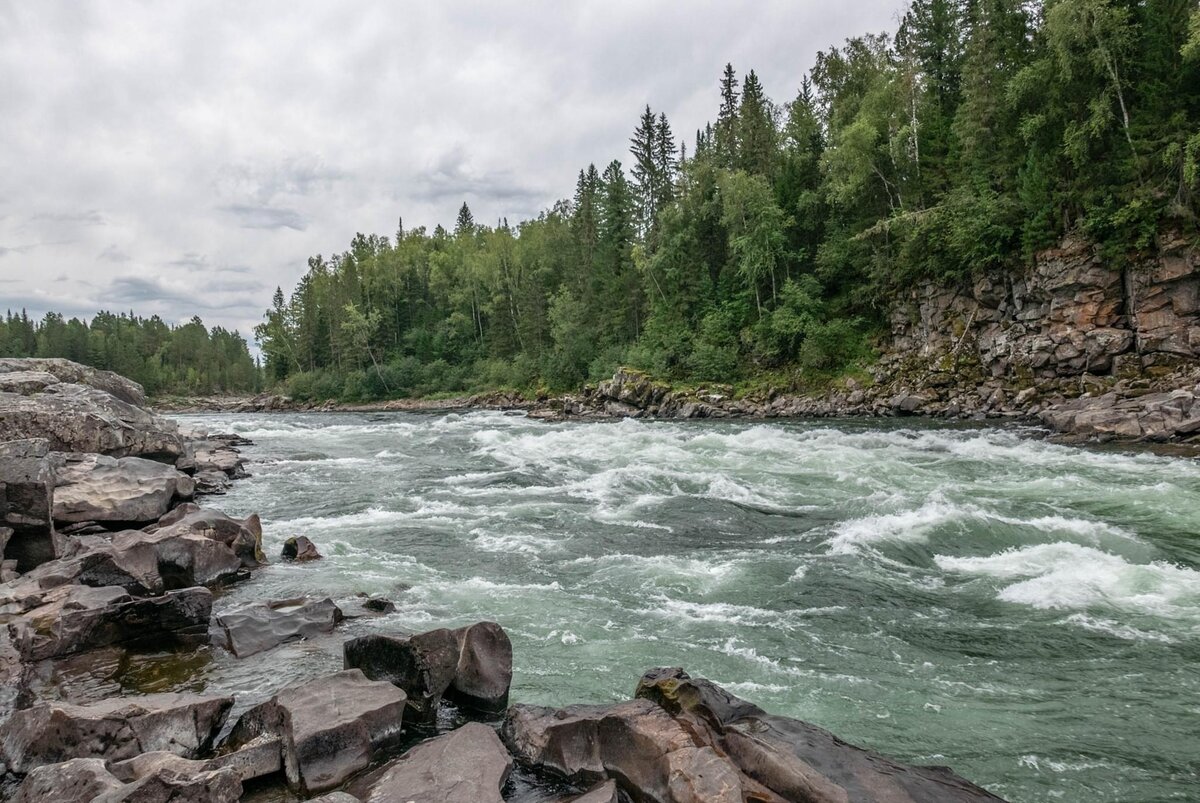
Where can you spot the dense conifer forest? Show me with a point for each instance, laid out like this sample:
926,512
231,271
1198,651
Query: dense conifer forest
765,246
770,241
187,359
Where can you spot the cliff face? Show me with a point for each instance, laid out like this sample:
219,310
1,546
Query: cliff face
1069,314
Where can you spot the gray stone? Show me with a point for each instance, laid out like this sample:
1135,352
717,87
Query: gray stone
467,764
93,487
62,370
27,500
255,628
114,729
80,780
25,383
331,727
243,536
423,665
484,673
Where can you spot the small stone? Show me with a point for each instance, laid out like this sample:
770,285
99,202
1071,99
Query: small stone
299,548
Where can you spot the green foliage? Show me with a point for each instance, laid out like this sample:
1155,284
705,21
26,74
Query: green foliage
188,359
977,134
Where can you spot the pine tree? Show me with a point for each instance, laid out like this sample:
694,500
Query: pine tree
466,221
645,171
725,132
756,129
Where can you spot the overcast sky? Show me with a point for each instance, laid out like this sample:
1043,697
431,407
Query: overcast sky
181,158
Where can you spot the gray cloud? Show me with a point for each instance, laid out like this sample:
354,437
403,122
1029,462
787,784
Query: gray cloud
177,157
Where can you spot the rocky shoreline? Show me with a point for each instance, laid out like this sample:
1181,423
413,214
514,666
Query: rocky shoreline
106,552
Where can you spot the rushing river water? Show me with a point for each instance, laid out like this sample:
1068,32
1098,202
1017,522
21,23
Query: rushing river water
1026,613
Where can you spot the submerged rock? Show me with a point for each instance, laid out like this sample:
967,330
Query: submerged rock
114,729
330,728
299,548
467,764
255,628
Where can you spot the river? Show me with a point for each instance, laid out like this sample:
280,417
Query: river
1026,613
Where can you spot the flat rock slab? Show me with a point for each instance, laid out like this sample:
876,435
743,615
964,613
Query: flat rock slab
71,618
62,370
468,764
114,729
331,727
256,628
794,759
93,487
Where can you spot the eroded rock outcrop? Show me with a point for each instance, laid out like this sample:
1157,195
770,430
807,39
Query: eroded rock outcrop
329,728
252,629
93,487
468,764
471,666
686,741
116,729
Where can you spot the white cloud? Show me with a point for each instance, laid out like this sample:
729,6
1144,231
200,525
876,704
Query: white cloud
186,157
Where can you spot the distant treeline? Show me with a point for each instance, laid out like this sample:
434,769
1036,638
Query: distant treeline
187,359
980,131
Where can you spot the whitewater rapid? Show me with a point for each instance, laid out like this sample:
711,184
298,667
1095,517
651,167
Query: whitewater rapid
1025,612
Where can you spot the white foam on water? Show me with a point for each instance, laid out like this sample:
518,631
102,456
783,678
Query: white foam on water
524,543
1115,629
721,612
1063,575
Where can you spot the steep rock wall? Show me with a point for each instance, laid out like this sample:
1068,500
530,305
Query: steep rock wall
1068,314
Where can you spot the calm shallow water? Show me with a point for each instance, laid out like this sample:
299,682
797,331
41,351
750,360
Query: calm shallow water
1026,613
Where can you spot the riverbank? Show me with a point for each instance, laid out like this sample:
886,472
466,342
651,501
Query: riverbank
1159,409
108,556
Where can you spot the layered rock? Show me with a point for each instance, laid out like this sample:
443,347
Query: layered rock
471,666
60,370
93,487
256,628
116,729
329,728
686,741
27,483
468,764
242,536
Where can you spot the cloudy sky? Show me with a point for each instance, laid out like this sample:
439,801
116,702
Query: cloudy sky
181,158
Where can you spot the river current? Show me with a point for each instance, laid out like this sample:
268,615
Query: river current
1026,613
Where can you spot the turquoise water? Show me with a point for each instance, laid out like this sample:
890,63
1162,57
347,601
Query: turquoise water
1026,613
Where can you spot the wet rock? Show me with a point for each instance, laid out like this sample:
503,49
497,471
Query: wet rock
255,628
300,548
71,618
77,418
379,605
793,759
161,777
423,665
221,459
467,764
63,370
484,672
603,792
93,487
243,537
331,727
27,501
114,729
627,741
80,780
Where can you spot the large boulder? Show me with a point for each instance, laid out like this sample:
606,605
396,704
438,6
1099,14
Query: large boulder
423,665
467,764
628,742
330,728
62,370
171,560
794,759
258,627
243,536
80,780
300,548
27,501
66,619
93,487
114,729
470,666
77,418
484,673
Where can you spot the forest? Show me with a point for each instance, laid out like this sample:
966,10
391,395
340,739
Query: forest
762,248
185,360
768,243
